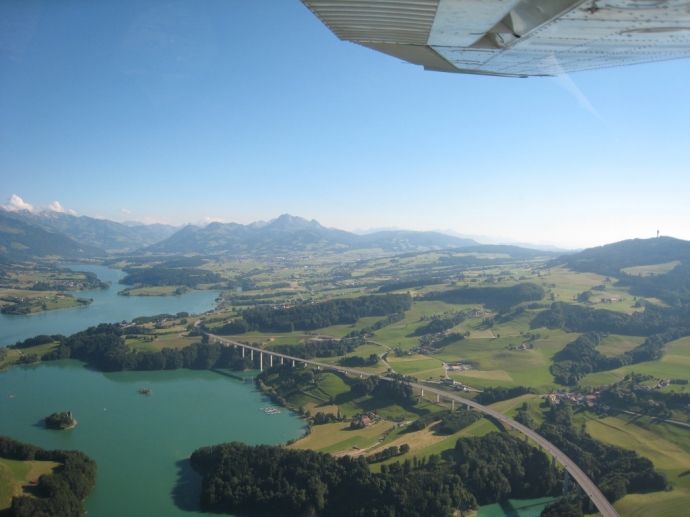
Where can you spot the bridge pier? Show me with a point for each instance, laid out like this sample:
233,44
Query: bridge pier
438,397
452,405
566,479
242,352
467,407
271,360
422,393
553,462
540,447
251,355
261,361
281,360
293,363
526,438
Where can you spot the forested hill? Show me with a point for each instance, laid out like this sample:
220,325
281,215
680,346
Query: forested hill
294,234
99,233
611,258
20,240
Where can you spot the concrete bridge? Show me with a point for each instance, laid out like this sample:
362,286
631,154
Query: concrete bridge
571,469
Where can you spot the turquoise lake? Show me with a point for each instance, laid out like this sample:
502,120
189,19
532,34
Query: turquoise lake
140,442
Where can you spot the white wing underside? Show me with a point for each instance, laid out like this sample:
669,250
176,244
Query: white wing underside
516,38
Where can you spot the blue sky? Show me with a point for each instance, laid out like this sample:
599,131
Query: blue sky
243,110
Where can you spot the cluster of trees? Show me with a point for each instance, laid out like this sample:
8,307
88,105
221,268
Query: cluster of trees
579,358
59,421
526,292
269,480
141,320
356,360
437,324
491,395
425,420
457,420
448,339
321,418
58,494
396,389
388,452
312,316
564,507
388,320
320,348
162,276
614,470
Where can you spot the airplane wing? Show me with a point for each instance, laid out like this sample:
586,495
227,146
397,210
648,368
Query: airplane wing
516,38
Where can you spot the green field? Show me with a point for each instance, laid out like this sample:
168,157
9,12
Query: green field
16,476
413,364
654,269
339,437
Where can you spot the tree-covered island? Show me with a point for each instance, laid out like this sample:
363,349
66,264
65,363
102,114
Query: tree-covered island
60,421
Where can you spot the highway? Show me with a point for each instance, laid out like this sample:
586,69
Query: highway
588,487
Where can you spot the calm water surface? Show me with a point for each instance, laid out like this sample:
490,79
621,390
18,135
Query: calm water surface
107,307
140,442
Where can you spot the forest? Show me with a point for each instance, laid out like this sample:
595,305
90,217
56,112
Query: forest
268,480
59,494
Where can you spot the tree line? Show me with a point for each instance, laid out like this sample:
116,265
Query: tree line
59,494
104,347
312,316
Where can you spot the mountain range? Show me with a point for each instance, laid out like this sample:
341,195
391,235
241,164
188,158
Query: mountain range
25,234
288,234
20,240
99,233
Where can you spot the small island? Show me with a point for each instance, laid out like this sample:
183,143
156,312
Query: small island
60,421
145,391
